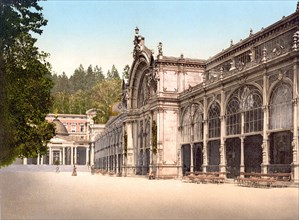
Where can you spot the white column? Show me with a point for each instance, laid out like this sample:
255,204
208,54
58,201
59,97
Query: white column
24,161
38,159
42,160
92,155
75,161
50,156
60,156
63,155
191,157
72,155
87,156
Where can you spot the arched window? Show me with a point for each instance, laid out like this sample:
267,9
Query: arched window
233,116
214,120
247,100
186,126
281,110
143,92
147,134
253,112
198,125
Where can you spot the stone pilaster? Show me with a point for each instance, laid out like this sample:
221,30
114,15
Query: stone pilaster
72,155
50,156
265,144
295,163
222,135
205,135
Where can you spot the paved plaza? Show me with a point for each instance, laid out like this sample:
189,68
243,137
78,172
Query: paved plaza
50,195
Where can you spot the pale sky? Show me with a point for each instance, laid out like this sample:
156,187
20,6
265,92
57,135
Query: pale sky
102,32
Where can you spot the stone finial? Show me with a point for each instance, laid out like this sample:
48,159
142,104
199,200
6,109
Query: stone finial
250,32
160,50
136,31
182,56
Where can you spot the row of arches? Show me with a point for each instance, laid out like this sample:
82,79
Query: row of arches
246,102
242,115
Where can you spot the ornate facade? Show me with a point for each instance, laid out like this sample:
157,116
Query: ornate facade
235,112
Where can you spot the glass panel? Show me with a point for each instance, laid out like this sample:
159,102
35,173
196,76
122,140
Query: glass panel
233,117
254,113
214,120
198,125
281,109
186,126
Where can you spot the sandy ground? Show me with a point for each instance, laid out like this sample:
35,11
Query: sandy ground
48,195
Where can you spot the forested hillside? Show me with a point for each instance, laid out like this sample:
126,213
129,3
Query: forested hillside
86,89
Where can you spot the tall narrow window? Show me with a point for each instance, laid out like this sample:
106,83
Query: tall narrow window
198,124
281,109
186,126
214,120
233,117
254,112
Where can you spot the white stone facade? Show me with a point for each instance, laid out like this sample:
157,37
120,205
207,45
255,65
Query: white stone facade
235,112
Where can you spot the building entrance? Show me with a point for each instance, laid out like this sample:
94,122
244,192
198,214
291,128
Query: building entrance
253,153
281,153
186,160
197,157
233,157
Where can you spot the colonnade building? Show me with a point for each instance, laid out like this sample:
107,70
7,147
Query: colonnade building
235,112
73,143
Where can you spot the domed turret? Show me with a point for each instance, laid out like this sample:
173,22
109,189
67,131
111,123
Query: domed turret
60,129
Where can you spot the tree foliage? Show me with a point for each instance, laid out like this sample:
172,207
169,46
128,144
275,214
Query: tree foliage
87,89
25,83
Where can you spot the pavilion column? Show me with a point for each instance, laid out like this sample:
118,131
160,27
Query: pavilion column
222,134
75,156
92,155
60,156
63,155
191,157
87,157
205,135
72,155
38,159
24,161
295,123
265,144
50,156
42,160
242,167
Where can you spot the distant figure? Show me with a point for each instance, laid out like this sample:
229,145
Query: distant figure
74,171
57,169
92,170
